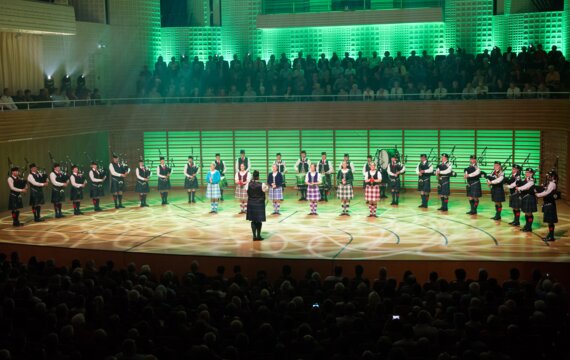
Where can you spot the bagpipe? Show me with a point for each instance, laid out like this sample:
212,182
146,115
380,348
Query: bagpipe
64,167
481,161
553,173
43,175
20,182
453,160
100,165
169,164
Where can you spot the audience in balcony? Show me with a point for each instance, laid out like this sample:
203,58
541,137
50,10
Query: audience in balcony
85,311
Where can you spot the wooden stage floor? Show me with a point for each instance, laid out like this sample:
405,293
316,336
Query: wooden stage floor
399,233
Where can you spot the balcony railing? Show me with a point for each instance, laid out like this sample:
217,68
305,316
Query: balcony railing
307,6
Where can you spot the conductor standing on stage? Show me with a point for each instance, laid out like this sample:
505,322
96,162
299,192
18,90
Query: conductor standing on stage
256,205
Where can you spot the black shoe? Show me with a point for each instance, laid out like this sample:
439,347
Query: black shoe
39,220
16,224
116,206
421,206
516,223
496,217
121,206
97,209
440,209
470,213
145,205
526,229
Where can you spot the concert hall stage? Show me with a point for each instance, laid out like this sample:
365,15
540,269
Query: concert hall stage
171,236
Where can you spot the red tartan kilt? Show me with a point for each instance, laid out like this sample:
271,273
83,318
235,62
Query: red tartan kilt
372,193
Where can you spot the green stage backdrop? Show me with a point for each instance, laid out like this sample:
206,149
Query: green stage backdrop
262,145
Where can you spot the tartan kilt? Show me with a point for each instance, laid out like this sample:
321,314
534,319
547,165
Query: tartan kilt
424,185
276,194
213,191
76,194
443,186
96,191
372,193
15,201
474,190
163,184
142,187
395,183
515,201
528,204
191,184
345,192
36,196
255,210
313,193
57,195
550,213
497,194
117,185
241,192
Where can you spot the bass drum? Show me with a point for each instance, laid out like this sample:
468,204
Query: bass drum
385,156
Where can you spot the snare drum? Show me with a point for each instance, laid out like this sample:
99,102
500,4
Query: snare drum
223,182
301,181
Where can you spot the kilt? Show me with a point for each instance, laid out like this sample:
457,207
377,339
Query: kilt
550,213
36,196
213,191
345,192
395,183
76,194
424,185
372,193
255,210
142,187
528,203
117,185
57,195
191,184
163,184
241,192
515,201
313,193
15,201
96,190
497,194
474,189
443,186
276,194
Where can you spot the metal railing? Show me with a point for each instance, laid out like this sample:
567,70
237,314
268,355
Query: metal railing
54,104
306,6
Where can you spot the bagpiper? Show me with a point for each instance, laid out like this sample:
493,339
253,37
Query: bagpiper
550,194
473,176
424,170
515,196
443,173
528,198
163,172
142,187
395,169
17,187
325,170
78,182
302,167
59,181
37,180
118,174
191,171
495,181
96,191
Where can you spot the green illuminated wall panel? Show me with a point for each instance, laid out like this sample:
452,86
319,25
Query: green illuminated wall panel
181,144
316,141
493,145
417,142
355,143
464,143
254,142
287,142
218,142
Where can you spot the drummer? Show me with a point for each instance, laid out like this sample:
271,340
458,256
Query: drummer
348,163
220,165
302,167
325,170
281,168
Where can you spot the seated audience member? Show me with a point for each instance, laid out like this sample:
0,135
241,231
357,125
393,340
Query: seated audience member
368,94
455,91
528,91
6,101
317,93
355,93
249,94
513,92
482,91
542,92
469,92
411,91
382,94
552,79
440,92
425,92
397,93
59,99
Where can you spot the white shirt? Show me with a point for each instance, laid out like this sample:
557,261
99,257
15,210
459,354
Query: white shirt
248,164
440,93
447,171
513,184
139,176
327,162
93,178
299,161
475,173
401,171
549,189
159,174
370,174
187,165
114,173
312,176
350,165
498,180
528,185
52,178
33,181
428,171
75,183
6,102
281,163
223,166
11,185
